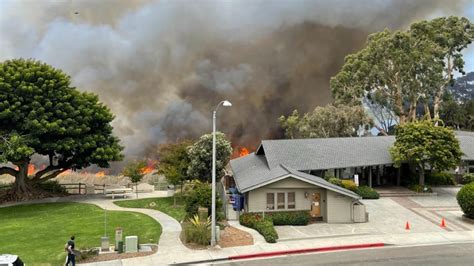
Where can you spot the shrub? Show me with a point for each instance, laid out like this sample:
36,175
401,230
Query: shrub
465,199
420,189
335,181
439,179
51,186
198,231
367,192
467,178
266,229
349,184
199,196
289,217
263,225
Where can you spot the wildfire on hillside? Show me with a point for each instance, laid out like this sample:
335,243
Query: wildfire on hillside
151,166
99,174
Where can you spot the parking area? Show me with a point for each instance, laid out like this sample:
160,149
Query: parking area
389,216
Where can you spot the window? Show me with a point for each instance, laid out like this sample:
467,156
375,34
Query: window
270,201
281,201
291,200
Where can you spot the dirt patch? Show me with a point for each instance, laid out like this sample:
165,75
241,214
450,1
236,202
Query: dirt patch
230,237
115,256
233,237
191,245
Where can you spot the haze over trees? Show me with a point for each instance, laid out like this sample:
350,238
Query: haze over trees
326,122
402,70
41,113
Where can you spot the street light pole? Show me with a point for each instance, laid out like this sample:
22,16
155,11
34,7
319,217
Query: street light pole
213,207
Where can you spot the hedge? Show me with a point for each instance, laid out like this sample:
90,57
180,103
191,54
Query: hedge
349,184
465,199
263,225
289,217
336,181
467,178
367,192
439,179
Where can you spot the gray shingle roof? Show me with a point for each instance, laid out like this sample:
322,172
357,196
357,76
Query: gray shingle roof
328,153
278,158
466,140
251,172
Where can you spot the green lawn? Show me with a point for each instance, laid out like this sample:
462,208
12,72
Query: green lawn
161,204
38,232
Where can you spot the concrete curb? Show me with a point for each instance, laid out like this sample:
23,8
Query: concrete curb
288,252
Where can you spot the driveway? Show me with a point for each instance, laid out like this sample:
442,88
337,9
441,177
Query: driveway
389,216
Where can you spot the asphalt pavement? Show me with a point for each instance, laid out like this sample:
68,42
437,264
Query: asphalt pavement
449,254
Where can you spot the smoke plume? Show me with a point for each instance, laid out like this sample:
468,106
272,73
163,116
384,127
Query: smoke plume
162,66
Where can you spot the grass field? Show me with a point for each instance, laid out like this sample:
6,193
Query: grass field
161,204
38,232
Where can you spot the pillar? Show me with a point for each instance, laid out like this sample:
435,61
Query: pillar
399,170
378,175
370,176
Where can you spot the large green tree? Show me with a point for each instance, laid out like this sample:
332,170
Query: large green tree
394,70
325,122
451,35
41,113
403,69
424,145
200,155
174,162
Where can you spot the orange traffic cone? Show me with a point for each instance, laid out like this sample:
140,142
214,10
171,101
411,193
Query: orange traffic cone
443,223
407,226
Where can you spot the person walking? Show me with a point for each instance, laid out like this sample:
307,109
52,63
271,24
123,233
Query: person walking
71,256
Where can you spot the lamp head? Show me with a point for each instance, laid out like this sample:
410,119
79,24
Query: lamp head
227,103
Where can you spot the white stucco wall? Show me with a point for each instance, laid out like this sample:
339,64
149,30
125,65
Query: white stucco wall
339,208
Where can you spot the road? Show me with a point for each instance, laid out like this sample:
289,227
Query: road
449,254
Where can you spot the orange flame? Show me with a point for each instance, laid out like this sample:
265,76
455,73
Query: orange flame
243,151
31,169
99,174
151,165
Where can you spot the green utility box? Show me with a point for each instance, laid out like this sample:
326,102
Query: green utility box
120,246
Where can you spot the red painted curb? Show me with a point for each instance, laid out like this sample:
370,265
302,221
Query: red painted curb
306,250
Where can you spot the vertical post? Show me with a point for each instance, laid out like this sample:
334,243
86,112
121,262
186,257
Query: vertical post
105,222
80,186
213,211
370,176
378,175
399,169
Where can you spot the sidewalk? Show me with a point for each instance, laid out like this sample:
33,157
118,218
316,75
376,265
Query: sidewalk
173,255
171,249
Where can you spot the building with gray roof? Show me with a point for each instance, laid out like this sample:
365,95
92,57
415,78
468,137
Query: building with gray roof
288,174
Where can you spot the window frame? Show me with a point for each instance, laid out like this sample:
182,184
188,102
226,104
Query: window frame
273,201
293,203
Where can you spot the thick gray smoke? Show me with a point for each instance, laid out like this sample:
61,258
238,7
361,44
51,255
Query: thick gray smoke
162,66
